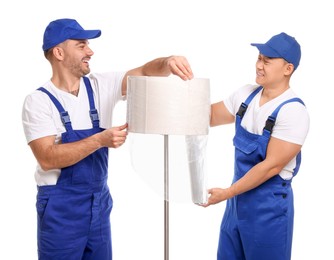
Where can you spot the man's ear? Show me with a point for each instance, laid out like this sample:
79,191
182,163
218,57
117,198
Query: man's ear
58,52
289,69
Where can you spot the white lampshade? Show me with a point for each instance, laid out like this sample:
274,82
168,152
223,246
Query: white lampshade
168,105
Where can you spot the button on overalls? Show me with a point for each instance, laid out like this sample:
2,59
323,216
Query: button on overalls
74,214
258,224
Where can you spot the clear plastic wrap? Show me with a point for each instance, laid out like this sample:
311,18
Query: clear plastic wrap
187,165
173,107
196,153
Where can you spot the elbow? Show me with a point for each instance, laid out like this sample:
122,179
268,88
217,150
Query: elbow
275,170
46,166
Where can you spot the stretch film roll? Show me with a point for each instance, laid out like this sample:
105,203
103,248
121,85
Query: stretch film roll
171,106
168,105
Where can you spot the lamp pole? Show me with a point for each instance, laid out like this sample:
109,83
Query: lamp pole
166,198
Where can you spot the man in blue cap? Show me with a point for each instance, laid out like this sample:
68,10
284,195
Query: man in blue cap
68,126
271,125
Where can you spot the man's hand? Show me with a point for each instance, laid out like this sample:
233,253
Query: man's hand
217,195
163,67
114,137
179,66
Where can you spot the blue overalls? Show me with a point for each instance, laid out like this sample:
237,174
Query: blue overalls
74,214
258,224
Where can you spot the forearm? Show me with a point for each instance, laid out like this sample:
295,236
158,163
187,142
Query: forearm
279,154
177,65
57,156
220,115
157,67
253,178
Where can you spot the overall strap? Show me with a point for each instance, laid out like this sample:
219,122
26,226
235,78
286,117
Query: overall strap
268,128
94,116
243,107
64,116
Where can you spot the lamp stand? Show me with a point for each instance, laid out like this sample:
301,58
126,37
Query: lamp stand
166,199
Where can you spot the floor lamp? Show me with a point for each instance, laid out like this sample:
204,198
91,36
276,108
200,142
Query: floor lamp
169,106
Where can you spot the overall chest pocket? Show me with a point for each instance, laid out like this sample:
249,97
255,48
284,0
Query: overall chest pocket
244,145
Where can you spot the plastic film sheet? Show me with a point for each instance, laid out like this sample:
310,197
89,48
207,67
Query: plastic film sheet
196,155
170,106
187,165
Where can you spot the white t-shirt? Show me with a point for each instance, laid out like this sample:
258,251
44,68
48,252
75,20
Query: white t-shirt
292,122
41,118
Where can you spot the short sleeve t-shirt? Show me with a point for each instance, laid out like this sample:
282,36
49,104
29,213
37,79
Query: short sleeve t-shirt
292,123
41,118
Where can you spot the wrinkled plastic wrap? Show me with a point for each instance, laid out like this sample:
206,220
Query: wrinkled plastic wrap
196,154
170,106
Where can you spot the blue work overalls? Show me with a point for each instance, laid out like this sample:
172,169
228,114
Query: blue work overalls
258,224
74,214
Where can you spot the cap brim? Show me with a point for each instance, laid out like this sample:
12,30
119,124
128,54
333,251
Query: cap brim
266,50
86,34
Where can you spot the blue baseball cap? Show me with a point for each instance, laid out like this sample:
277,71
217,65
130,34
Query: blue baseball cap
61,30
281,46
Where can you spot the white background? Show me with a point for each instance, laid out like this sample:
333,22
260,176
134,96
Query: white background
215,36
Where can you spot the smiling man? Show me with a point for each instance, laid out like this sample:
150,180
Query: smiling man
271,125
68,126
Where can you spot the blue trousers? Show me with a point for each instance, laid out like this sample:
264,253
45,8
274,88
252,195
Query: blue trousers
74,223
